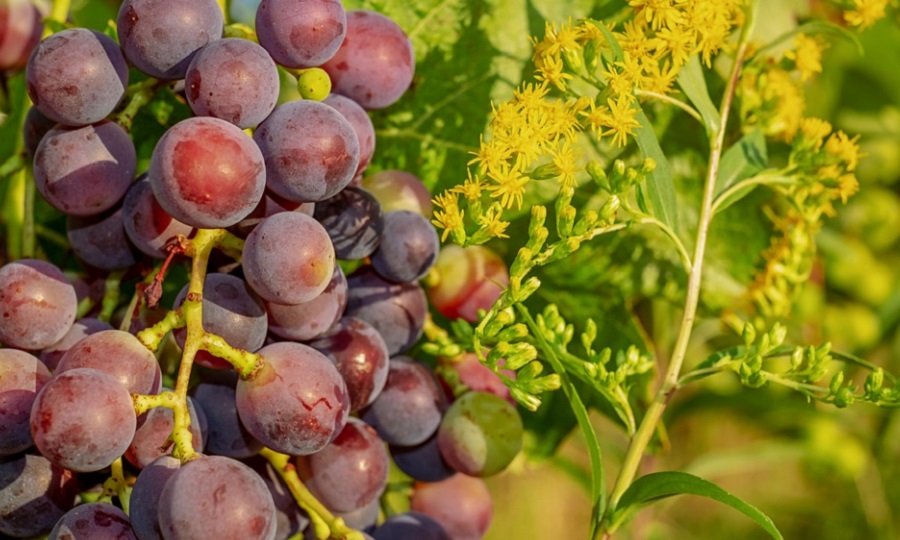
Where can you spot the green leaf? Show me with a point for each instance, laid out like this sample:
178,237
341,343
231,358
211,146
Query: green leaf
656,486
693,83
598,486
469,53
816,27
659,189
745,158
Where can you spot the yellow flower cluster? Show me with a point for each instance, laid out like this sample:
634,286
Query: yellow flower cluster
535,137
771,90
824,162
865,13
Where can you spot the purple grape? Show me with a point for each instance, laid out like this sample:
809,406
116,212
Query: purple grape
289,518
310,149
309,320
82,171
34,494
83,420
288,258
36,126
360,356
93,521
361,124
297,403
399,190
232,79
408,411
354,222
351,472
375,63
230,310
408,249
269,206
77,76
207,173
147,225
160,37
301,33
480,434
150,441
100,241
410,526
227,436
119,354
20,31
216,498
144,504
82,328
37,304
362,518
396,310
21,377
422,462
461,504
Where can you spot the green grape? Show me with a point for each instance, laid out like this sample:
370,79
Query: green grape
480,434
314,84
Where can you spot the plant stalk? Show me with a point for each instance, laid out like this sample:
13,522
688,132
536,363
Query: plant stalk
669,384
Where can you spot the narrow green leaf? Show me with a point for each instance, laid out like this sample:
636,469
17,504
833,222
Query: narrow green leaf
816,27
598,487
655,486
693,83
659,190
745,158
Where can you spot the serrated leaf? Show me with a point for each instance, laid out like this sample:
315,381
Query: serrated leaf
693,83
656,486
468,54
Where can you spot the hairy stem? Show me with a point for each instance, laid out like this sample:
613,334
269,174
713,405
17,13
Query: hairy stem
669,384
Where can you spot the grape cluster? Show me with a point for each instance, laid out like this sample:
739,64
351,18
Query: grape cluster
333,382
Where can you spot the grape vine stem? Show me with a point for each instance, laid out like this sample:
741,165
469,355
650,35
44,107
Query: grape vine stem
669,384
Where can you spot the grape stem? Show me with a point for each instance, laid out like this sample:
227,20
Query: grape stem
116,486
668,386
325,523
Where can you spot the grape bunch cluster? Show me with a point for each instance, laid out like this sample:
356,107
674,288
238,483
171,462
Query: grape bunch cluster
308,380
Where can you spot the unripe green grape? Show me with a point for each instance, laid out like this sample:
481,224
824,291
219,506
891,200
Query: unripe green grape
314,84
480,434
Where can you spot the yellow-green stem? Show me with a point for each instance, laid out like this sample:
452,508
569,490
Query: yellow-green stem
153,336
192,310
115,485
669,384
325,521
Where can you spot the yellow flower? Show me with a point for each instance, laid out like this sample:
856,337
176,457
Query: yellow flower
621,120
492,221
617,80
807,56
490,155
550,70
845,148
510,185
565,159
596,118
865,13
471,189
659,13
450,217
847,186
677,41
815,130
